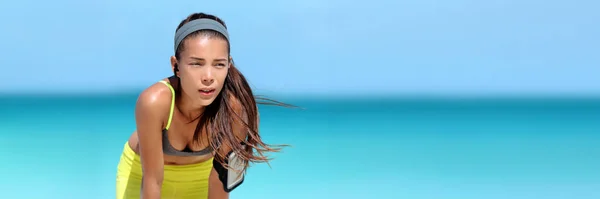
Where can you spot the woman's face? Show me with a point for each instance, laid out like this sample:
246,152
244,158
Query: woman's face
203,66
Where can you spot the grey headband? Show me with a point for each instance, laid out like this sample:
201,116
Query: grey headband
199,24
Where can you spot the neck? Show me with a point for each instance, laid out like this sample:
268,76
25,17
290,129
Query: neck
189,110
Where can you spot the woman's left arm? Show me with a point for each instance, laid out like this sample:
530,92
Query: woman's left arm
216,185
216,188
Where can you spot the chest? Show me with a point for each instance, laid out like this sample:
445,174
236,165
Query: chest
181,135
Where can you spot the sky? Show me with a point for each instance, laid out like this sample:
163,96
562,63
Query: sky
312,46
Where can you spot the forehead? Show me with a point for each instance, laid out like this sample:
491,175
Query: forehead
206,47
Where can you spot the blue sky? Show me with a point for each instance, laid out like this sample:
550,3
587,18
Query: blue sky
312,47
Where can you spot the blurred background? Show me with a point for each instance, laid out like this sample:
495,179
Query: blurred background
402,99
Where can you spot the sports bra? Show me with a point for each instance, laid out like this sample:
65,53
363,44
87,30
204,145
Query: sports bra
167,147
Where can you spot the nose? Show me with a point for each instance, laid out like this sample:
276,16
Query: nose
208,78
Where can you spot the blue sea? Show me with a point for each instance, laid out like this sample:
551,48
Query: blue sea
415,148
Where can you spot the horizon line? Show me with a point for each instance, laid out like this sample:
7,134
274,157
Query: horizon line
306,95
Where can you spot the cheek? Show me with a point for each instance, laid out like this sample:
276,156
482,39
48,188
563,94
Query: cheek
221,78
187,80
190,76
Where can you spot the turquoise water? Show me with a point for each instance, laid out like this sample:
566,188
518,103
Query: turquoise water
69,146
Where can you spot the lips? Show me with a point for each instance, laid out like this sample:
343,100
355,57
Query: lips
206,91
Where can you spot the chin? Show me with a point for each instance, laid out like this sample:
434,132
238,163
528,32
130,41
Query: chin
206,102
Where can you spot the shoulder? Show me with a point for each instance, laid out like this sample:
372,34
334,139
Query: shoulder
240,129
154,101
242,109
236,106
155,96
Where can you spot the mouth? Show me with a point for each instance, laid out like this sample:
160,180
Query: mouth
207,91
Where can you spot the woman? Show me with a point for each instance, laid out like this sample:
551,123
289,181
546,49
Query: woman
193,127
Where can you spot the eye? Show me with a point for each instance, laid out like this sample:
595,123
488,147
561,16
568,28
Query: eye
221,65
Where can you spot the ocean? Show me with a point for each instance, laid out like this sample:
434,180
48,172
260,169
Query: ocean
416,148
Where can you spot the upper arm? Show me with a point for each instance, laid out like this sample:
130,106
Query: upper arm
216,190
149,116
238,126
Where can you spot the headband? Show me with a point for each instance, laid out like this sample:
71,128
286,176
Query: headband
199,24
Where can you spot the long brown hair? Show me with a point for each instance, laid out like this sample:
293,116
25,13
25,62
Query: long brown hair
218,118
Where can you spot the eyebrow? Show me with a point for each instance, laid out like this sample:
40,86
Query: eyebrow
197,58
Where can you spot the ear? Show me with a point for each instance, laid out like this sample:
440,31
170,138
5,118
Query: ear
174,66
230,62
